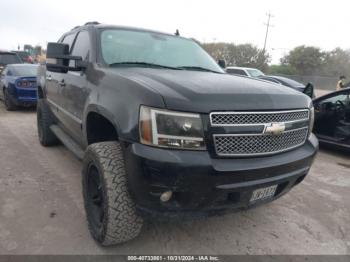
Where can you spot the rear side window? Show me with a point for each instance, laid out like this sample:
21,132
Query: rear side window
236,71
82,45
7,59
68,39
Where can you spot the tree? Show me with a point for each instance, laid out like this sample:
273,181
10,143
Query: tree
282,70
245,55
337,63
306,60
218,50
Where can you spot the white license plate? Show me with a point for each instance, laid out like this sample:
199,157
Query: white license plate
263,193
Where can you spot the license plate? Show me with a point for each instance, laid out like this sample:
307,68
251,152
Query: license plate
263,193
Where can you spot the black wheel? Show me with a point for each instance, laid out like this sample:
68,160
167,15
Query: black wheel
44,121
9,105
110,210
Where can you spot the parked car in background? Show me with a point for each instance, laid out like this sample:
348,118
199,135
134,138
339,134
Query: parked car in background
332,118
7,58
285,82
244,71
25,56
18,85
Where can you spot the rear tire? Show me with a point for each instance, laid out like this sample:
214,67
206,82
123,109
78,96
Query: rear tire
44,121
110,210
9,105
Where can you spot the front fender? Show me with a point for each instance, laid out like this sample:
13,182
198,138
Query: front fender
118,99
94,108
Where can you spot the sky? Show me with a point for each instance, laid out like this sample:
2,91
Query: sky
324,24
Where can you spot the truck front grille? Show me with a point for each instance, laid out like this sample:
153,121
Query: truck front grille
232,143
251,118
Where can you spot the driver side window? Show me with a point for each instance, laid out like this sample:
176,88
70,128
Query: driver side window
331,102
332,115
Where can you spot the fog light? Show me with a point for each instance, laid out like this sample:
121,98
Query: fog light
165,197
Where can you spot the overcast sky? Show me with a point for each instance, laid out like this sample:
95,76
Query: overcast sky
295,22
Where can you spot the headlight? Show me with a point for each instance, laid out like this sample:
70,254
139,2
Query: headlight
312,119
171,129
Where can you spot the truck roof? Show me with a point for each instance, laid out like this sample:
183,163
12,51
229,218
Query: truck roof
101,26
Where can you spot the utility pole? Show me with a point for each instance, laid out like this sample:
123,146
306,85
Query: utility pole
268,25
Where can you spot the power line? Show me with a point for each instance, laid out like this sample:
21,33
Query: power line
268,25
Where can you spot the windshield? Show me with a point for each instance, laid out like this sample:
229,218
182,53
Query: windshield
6,59
127,46
255,72
30,70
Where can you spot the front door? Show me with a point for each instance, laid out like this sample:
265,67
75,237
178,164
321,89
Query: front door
53,85
332,117
75,89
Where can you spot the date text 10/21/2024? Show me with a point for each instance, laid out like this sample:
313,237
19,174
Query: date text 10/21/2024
173,258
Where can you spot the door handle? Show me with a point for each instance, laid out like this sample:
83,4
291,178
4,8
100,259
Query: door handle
62,83
48,77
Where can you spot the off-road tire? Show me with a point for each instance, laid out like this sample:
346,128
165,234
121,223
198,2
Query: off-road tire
9,105
44,120
120,222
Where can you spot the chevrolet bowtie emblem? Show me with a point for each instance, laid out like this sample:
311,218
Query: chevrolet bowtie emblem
275,129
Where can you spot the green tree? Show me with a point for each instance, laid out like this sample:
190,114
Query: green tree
306,60
283,69
245,55
337,63
218,50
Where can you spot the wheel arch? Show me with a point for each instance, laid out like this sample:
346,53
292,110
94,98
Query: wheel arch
99,125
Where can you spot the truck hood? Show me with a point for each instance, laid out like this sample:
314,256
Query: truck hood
203,92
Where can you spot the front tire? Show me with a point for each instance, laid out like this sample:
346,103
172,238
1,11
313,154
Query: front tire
110,210
44,121
9,105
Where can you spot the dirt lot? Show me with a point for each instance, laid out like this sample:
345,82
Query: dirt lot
41,209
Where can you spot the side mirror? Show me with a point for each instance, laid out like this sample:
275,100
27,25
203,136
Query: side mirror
309,90
58,59
222,63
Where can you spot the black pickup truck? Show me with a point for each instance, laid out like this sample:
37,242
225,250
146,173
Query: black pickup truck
164,132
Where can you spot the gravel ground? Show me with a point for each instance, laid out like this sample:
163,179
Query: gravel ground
41,209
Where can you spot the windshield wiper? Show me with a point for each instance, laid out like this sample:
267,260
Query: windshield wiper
144,64
198,68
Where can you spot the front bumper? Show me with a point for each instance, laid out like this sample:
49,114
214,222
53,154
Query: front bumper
23,96
203,185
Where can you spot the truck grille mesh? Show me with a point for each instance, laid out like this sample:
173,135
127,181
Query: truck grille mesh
231,145
234,118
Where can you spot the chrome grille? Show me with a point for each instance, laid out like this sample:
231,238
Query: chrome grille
258,144
251,118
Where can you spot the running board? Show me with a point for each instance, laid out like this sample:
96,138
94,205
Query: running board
68,141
